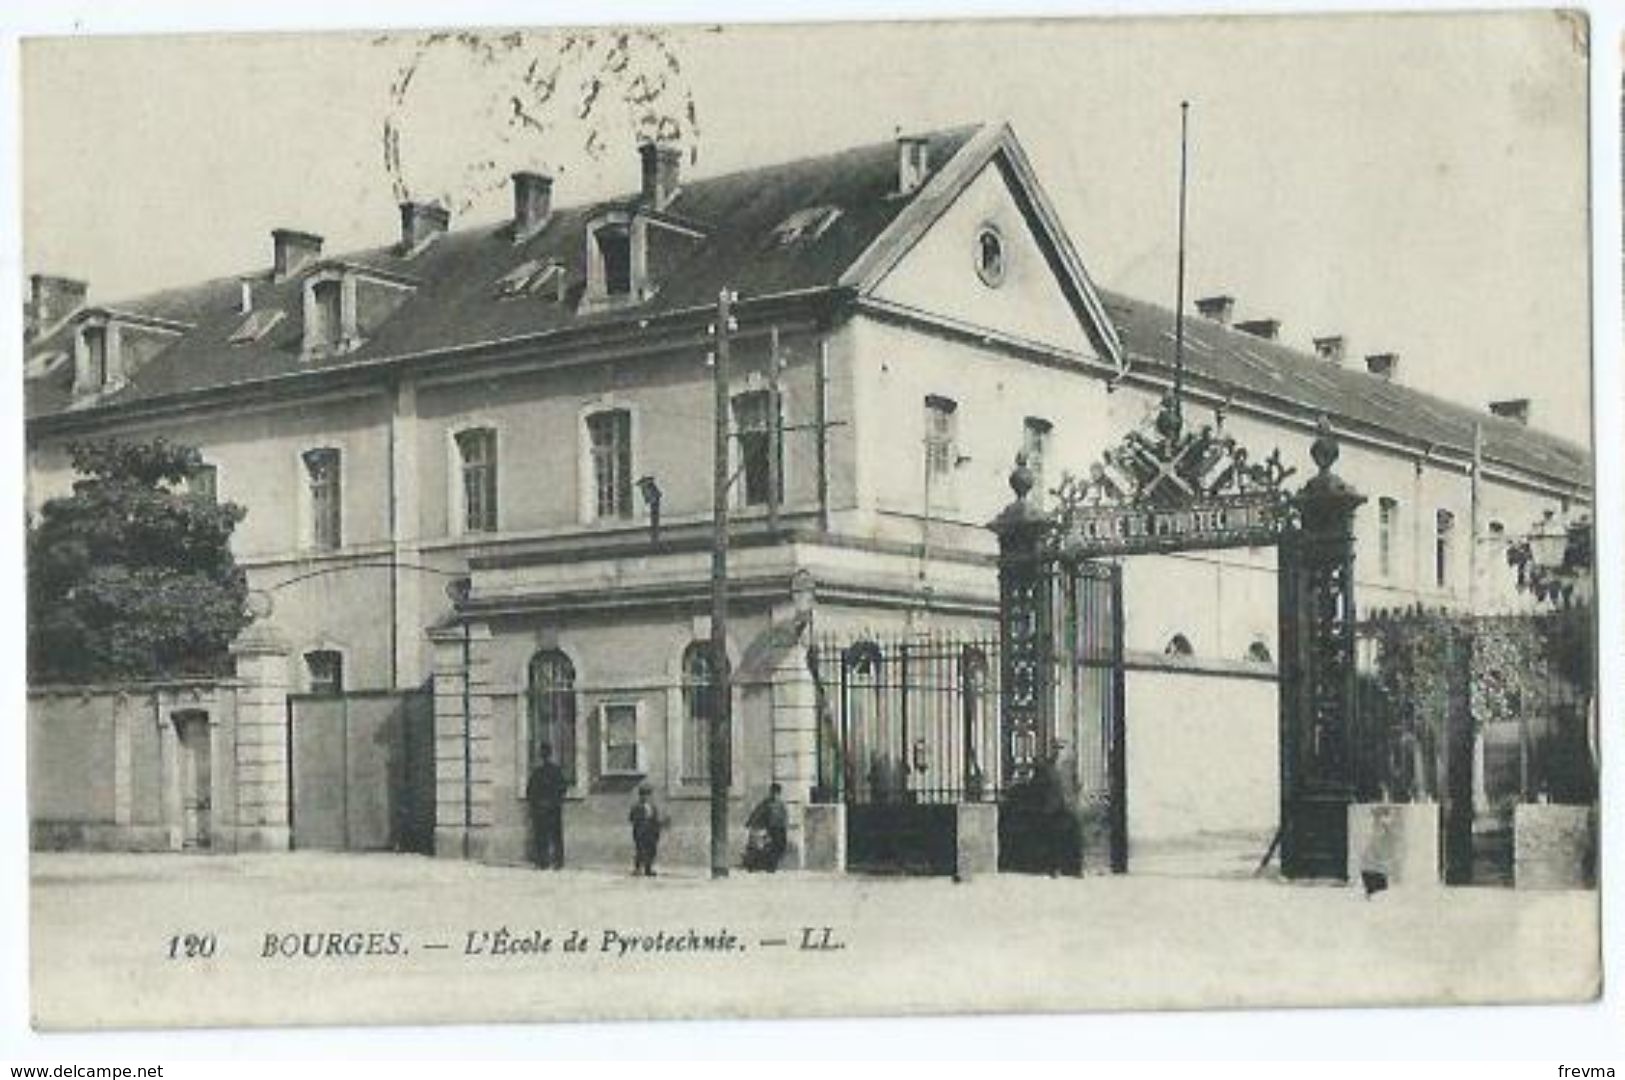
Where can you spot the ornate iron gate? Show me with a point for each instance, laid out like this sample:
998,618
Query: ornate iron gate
1170,486
909,731
1071,707
1094,716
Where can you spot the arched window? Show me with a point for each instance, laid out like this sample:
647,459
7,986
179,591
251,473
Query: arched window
874,732
700,706
552,703
1178,645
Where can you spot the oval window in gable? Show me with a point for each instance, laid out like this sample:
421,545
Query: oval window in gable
992,261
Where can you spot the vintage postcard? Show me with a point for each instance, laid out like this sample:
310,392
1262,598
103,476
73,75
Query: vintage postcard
809,520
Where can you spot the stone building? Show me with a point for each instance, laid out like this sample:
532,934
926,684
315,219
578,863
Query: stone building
512,404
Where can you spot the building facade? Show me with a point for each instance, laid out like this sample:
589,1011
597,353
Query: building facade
527,408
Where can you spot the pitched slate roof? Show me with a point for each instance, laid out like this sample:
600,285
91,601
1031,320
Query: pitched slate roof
1231,360
457,300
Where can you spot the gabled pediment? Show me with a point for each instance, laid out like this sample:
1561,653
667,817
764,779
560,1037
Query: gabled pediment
980,246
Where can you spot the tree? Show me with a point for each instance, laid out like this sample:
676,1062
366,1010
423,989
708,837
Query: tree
132,575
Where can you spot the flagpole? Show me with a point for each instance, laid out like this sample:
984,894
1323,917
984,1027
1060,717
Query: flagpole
1179,288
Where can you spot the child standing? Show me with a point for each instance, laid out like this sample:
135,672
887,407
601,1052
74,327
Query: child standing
646,826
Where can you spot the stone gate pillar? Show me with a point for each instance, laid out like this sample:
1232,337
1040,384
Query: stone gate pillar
260,655
795,736
462,740
1026,629
1317,615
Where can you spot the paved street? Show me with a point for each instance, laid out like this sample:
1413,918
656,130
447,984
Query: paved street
681,945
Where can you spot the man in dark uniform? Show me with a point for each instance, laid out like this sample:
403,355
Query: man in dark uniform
771,817
544,791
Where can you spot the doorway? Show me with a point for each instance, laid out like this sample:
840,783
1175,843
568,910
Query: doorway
196,780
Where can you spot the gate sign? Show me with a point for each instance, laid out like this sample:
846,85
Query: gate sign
1168,486
1240,521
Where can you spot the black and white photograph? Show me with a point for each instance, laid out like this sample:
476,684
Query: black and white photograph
644,521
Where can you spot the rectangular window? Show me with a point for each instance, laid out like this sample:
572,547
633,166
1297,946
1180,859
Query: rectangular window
477,451
759,459
942,458
1387,533
328,314
1035,439
941,422
326,511
324,671
610,436
623,752
204,482
96,354
1444,527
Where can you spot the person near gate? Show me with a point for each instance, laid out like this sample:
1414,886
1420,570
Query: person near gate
647,824
1059,827
544,792
769,826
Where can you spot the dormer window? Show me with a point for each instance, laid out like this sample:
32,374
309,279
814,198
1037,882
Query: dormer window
326,329
345,301
614,244
96,355
98,358
617,242
109,347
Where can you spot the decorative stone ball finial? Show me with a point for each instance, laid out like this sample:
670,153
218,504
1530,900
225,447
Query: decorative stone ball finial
1324,449
1021,477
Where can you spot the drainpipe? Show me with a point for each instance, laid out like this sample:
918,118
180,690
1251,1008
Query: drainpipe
457,590
468,748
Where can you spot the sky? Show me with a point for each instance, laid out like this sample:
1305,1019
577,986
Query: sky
1416,183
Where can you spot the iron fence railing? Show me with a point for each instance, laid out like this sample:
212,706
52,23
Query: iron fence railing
907,719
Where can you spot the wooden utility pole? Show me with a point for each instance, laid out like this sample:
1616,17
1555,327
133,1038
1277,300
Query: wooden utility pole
775,434
821,420
722,689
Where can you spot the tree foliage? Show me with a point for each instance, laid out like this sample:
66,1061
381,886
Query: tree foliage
1507,669
132,575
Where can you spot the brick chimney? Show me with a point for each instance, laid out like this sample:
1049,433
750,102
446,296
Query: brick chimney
1514,409
421,222
55,298
292,252
1331,348
1383,365
662,172
1268,329
913,163
532,203
1216,308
